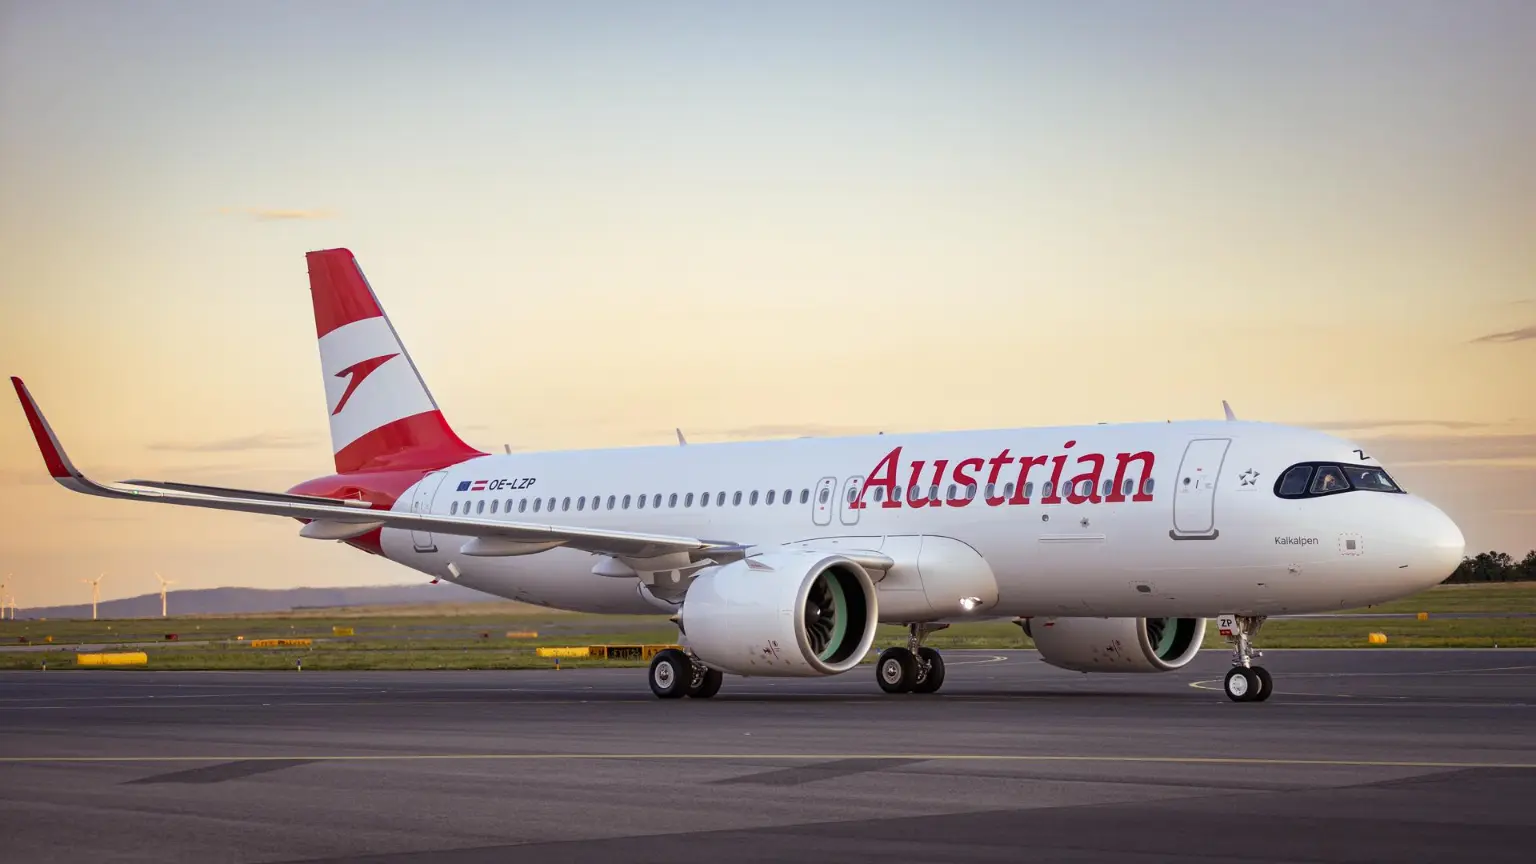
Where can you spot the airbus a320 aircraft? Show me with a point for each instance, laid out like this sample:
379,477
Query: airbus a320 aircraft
1110,544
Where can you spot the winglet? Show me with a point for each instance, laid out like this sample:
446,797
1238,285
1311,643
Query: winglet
1228,409
681,441
54,457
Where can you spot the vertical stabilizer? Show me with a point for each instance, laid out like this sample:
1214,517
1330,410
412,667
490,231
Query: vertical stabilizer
382,415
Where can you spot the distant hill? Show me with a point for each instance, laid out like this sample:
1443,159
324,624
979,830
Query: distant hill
246,601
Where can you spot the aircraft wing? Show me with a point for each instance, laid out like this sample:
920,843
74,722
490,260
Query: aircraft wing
338,520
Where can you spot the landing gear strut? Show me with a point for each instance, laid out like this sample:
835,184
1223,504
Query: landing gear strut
1245,682
914,668
675,674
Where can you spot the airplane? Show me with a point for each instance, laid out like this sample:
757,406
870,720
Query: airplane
1112,545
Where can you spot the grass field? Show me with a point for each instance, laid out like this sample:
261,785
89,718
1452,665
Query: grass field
475,636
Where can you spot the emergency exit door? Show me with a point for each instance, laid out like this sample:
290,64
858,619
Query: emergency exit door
1194,492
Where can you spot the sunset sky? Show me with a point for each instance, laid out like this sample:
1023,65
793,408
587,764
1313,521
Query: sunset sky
594,222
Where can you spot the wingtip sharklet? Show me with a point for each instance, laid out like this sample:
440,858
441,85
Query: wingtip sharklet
54,457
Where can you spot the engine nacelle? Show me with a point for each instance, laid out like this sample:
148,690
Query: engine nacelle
783,614
1117,644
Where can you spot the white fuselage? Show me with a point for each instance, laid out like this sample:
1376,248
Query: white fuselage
1208,536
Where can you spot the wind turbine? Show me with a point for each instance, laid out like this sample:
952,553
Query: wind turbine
2,598
95,592
10,603
163,582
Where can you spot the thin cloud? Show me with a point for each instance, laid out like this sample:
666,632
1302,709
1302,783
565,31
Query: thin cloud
1508,450
1521,335
794,430
272,214
1368,425
259,441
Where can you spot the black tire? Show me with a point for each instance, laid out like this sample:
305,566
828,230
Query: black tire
709,684
1266,683
1241,684
671,673
935,677
896,670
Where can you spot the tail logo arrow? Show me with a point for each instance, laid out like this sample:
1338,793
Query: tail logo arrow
356,373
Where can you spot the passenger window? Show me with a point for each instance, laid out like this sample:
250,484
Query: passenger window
688,500
805,495
566,504
508,507
1045,491
656,501
736,500
480,506
1109,486
752,499
522,505
970,492
611,501
879,494
769,499
853,494
640,503
1146,488
822,496
626,502
1328,479
950,492
581,503
453,509
1029,489
720,500
1008,489
933,491
494,502
789,496
990,487
704,500
1126,487
551,505
672,500
1370,479
895,493
537,504
1295,481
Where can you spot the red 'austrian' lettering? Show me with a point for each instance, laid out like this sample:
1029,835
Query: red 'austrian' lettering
1085,487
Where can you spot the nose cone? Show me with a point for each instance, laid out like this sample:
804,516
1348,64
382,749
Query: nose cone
1440,541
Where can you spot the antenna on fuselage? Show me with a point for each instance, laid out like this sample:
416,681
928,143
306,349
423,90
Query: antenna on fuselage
1228,409
681,441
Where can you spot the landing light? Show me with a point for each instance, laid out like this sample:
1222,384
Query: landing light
969,603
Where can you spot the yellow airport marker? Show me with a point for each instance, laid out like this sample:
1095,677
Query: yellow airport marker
1378,638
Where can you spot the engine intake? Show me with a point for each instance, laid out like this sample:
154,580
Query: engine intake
1117,644
783,614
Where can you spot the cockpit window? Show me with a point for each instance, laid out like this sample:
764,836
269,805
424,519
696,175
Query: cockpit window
1328,479
1312,479
1372,479
1295,481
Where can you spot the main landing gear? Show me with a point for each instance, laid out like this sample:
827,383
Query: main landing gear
912,669
1245,682
674,675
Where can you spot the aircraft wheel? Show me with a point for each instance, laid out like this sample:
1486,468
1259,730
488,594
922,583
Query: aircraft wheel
708,684
934,679
1266,683
896,670
671,673
1242,685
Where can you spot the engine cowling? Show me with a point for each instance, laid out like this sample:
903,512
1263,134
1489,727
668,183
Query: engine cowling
783,614
1117,644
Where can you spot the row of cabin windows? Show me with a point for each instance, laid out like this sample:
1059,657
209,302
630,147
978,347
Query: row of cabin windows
615,502
640,502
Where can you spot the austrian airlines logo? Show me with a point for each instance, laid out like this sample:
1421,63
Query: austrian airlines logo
357,372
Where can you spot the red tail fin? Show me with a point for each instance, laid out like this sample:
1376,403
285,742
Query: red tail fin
382,415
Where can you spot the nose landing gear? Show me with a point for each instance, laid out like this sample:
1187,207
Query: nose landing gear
1245,682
